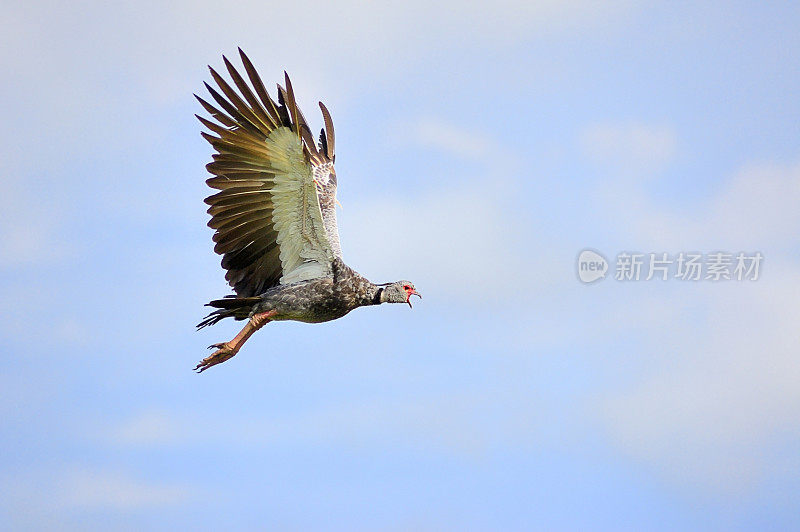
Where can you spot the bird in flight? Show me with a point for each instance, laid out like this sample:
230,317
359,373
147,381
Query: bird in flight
274,216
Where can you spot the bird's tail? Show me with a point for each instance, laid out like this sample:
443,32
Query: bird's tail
229,307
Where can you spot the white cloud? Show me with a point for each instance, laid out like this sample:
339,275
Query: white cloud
441,421
754,210
71,330
28,228
457,141
449,241
634,150
459,236
116,491
47,499
721,392
757,209
148,428
338,42
716,400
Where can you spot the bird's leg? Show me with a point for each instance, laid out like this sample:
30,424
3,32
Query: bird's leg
229,349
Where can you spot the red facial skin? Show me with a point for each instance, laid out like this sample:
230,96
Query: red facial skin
410,292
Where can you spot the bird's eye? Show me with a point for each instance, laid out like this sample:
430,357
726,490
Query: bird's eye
406,287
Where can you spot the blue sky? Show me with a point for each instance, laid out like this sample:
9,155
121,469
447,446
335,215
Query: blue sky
480,148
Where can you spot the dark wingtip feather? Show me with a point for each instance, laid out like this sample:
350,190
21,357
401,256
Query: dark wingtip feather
216,113
323,142
281,93
258,85
257,110
326,116
292,103
283,109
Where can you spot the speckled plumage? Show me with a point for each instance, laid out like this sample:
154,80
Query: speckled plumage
274,214
318,300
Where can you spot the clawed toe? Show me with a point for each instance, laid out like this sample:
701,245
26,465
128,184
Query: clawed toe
219,356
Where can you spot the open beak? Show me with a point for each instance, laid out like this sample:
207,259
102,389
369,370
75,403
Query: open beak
412,293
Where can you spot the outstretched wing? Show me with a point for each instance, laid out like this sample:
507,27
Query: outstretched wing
269,215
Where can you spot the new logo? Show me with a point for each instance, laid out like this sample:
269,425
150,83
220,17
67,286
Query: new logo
591,266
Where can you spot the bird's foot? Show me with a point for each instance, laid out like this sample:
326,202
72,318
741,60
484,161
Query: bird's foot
228,350
224,352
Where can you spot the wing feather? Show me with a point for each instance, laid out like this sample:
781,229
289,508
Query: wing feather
258,85
330,139
221,117
265,118
270,215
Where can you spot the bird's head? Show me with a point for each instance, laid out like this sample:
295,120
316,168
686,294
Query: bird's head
399,292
